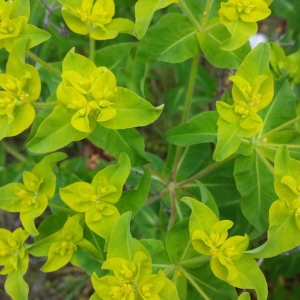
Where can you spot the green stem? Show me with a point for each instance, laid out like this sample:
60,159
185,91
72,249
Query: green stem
279,128
163,179
45,104
265,145
205,14
12,151
173,208
41,62
190,15
65,209
92,49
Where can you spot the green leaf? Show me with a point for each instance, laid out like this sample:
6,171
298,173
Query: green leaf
114,57
282,108
116,141
89,263
132,111
254,181
210,41
133,200
123,245
144,11
181,250
200,129
177,46
207,198
289,138
55,132
203,284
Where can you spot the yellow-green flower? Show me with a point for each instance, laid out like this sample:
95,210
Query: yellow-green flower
12,250
95,18
246,10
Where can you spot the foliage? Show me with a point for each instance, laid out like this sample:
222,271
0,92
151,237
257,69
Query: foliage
187,224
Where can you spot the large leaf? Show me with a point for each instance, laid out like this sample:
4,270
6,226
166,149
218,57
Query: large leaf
200,129
203,284
114,57
55,132
254,181
177,46
210,41
144,10
116,141
282,108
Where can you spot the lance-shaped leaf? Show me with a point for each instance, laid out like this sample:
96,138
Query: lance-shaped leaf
254,181
200,129
144,11
179,45
279,112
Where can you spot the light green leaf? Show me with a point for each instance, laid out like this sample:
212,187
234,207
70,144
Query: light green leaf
244,296
144,11
23,118
55,132
254,181
15,285
132,111
116,141
229,139
134,199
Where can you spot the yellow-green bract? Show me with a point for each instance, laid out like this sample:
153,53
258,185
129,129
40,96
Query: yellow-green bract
96,19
